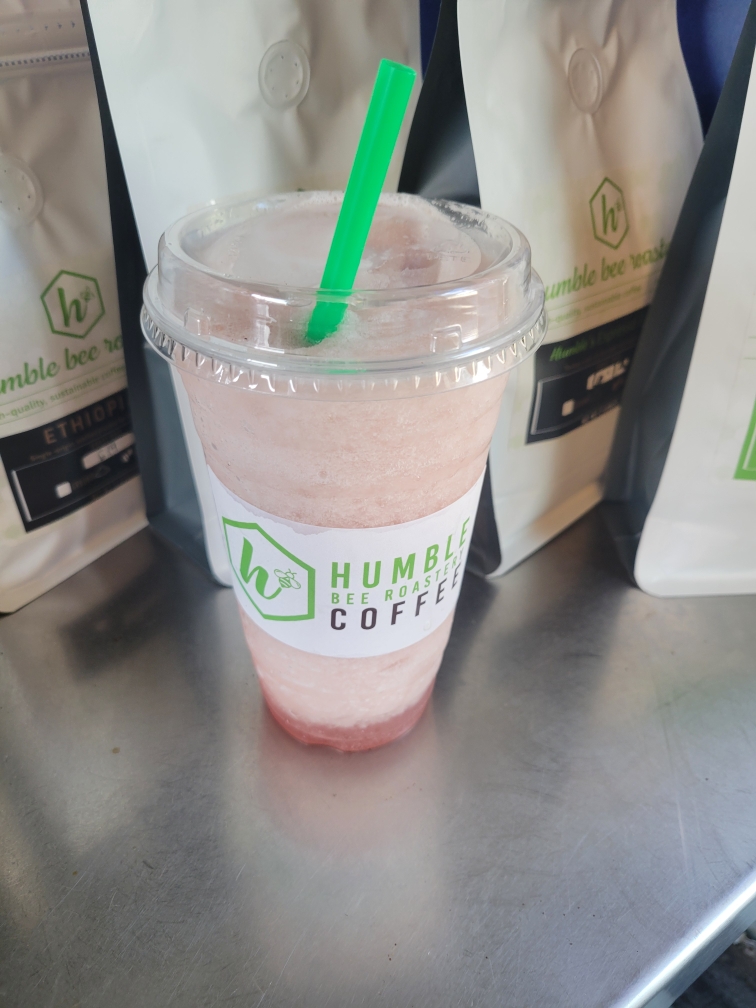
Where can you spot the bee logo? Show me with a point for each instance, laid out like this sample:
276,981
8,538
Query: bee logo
255,560
287,579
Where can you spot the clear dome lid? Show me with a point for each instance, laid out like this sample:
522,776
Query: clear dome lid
445,296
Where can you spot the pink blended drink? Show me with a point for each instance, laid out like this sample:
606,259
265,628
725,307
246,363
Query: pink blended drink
346,473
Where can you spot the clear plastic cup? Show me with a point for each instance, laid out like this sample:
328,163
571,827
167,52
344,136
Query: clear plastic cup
346,473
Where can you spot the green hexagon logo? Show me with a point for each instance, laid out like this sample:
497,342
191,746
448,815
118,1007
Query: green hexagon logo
277,583
609,215
73,304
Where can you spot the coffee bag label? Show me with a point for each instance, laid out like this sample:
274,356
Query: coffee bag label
346,593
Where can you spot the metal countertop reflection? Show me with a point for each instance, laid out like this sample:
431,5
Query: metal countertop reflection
572,824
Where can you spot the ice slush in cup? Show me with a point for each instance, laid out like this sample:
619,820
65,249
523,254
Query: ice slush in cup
346,473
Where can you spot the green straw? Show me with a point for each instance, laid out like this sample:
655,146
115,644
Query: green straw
385,114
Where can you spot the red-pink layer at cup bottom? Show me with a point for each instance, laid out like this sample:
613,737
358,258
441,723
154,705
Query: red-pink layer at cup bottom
353,739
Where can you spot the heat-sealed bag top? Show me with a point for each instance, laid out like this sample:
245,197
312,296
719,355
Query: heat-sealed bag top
69,487
681,486
210,100
585,133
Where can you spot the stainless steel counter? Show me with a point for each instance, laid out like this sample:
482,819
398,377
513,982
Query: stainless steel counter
573,822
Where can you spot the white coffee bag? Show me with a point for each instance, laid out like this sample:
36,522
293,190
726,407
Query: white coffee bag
212,99
699,536
585,133
69,488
